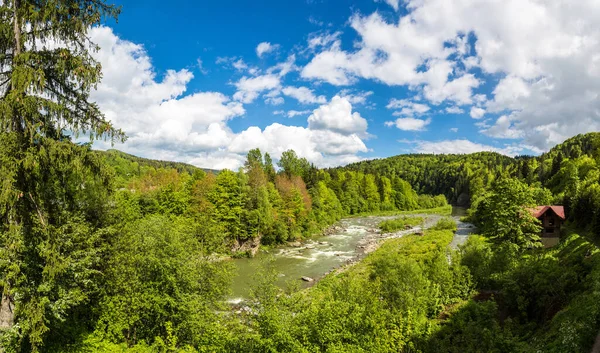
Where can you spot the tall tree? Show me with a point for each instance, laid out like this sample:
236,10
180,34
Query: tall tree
46,73
269,169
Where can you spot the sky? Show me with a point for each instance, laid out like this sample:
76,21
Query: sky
339,81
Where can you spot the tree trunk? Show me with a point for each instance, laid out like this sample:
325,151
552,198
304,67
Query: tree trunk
7,312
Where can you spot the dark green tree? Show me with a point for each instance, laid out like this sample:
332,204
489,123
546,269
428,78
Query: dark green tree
46,74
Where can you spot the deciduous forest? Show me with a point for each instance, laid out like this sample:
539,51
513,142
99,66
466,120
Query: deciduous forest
101,251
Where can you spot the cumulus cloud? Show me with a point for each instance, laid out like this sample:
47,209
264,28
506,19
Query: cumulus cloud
264,48
409,124
503,128
303,95
394,54
407,107
545,54
477,113
164,122
318,146
249,88
337,116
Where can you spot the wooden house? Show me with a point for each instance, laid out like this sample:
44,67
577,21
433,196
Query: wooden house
552,219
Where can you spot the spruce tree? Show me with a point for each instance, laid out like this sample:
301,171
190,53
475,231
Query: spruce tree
47,235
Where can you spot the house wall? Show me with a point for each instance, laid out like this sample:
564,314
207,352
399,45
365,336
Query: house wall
551,224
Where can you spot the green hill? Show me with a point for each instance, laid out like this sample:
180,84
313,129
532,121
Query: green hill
127,166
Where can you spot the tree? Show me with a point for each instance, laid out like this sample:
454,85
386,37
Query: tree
269,169
46,73
293,165
228,198
254,157
159,274
503,215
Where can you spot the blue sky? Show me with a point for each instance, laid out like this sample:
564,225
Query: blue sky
340,81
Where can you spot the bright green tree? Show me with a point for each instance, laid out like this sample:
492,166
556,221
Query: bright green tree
46,74
228,199
159,274
503,215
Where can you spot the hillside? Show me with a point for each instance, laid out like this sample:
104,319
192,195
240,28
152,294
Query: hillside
463,177
127,166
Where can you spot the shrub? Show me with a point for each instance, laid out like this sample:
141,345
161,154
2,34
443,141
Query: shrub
446,223
393,225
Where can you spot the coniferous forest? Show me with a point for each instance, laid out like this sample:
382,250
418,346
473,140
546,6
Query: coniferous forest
101,251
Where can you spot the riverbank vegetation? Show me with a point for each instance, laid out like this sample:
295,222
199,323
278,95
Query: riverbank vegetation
400,223
107,252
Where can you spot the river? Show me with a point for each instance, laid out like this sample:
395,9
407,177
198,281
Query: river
316,257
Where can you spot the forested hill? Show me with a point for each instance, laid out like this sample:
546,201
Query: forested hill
454,175
127,166
464,177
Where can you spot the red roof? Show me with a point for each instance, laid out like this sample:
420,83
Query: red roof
538,211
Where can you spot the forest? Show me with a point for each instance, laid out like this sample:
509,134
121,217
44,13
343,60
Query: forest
101,251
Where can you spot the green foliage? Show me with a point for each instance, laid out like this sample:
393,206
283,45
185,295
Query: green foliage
158,274
503,215
545,299
446,223
365,308
402,223
52,200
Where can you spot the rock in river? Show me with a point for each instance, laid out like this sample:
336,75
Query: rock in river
307,279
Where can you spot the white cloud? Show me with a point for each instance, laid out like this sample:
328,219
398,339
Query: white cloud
264,48
337,116
544,52
454,110
395,54
283,68
155,114
240,65
163,122
303,95
318,40
318,146
359,97
395,4
454,129
249,88
409,124
200,65
293,113
407,107
477,113
503,128
274,100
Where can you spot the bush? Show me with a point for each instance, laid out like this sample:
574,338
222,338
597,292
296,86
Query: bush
393,225
446,223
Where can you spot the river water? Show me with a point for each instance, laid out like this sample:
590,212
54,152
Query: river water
318,256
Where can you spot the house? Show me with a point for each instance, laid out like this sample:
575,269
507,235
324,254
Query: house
552,218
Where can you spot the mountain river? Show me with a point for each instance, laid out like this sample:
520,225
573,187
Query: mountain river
350,240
